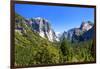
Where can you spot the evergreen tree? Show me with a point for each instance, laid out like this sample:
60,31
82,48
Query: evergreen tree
63,46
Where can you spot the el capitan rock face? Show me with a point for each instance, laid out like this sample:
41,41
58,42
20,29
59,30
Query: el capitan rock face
39,25
42,26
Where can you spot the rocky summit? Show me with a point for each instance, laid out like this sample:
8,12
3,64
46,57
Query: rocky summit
43,28
39,25
84,32
36,42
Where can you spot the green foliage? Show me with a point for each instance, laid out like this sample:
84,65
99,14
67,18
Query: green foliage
77,52
32,49
64,46
35,51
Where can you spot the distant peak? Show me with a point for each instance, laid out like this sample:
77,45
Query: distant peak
86,25
86,22
39,18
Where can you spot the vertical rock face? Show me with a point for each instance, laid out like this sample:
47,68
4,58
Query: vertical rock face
89,34
76,35
84,32
88,30
39,25
85,26
43,27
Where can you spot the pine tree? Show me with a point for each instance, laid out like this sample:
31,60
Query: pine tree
63,46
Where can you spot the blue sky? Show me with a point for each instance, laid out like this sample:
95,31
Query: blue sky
61,18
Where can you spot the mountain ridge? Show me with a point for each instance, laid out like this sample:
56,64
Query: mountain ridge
77,34
32,49
41,26
44,29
